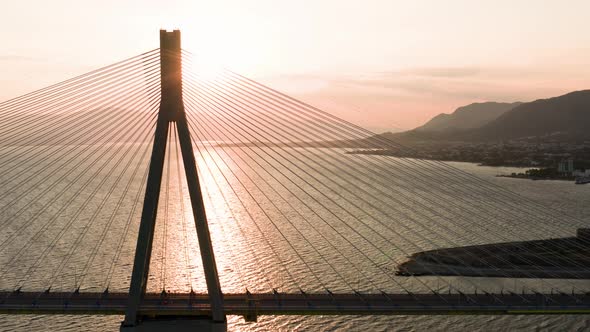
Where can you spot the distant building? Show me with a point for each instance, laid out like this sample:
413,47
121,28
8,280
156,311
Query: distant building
566,166
579,172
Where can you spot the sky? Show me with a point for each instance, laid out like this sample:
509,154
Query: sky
384,64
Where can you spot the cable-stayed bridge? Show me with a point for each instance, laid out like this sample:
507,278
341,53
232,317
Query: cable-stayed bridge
158,190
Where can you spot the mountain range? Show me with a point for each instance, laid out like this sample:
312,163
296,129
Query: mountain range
563,118
467,117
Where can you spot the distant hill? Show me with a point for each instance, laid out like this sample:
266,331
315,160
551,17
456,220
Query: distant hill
471,116
538,134
564,118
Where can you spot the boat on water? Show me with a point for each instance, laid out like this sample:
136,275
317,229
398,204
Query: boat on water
583,179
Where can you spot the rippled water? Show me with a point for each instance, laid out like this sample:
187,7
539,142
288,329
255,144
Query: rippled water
246,259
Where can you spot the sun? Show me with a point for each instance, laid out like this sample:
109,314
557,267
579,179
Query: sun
202,66
211,46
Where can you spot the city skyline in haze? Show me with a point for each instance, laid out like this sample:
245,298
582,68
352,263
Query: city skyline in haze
386,65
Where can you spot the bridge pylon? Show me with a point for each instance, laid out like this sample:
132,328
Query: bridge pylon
172,110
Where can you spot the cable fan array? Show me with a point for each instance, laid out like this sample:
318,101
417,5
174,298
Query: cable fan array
73,165
290,208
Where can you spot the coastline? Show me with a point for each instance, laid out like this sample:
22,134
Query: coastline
534,178
558,258
477,161
537,172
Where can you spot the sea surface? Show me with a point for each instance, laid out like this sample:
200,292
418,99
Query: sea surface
251,252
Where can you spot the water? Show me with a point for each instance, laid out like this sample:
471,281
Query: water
247,260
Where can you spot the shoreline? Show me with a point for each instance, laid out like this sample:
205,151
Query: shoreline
477,162
556,258
533,178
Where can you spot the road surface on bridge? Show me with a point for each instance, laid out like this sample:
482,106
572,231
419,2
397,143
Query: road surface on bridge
252,305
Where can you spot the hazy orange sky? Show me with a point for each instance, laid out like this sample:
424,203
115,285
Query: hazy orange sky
384,64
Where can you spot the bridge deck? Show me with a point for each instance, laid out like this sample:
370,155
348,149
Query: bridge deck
252,305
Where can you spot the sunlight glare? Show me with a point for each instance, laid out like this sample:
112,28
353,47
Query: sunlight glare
216,45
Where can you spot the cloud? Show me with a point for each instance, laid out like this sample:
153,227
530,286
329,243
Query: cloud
444,72
408,98
476,83
12,57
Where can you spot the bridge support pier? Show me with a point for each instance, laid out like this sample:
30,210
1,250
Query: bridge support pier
176,324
